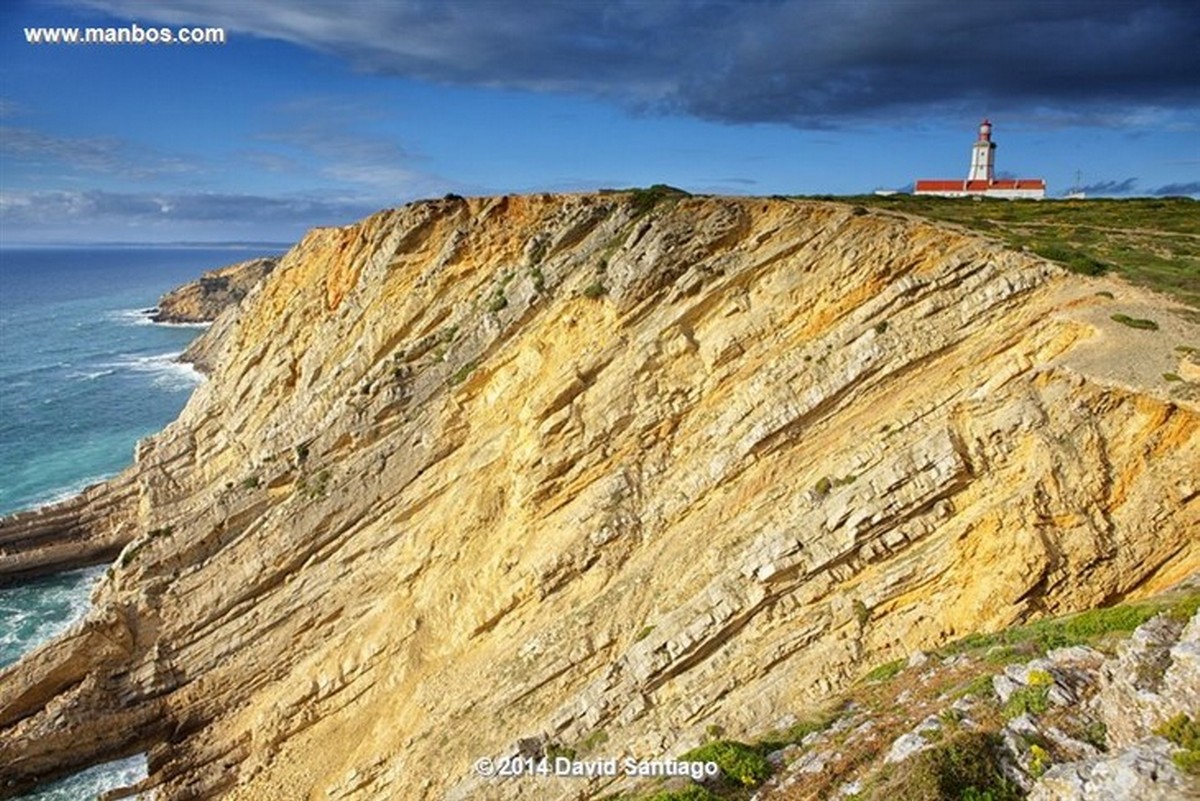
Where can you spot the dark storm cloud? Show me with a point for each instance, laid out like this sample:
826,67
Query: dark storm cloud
810,64
1190,188
1123,187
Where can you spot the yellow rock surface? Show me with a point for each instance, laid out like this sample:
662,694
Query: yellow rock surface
472,473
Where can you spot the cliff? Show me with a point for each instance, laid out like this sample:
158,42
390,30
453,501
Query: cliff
216,290
601,472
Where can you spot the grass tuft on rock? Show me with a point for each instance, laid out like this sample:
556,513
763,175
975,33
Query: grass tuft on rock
742,764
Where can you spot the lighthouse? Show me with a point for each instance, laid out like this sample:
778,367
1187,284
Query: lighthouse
983,155
981,179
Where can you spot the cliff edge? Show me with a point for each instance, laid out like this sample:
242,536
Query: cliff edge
216,290
601,472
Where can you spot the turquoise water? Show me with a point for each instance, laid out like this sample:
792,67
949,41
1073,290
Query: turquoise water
83,376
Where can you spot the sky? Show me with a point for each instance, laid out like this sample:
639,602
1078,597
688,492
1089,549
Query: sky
319,112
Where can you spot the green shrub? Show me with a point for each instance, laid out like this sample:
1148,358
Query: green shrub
886,671
643,634
1171,377
556,750
740,763
594,290
539,280
1039,761
250,482
965,766
644,200
594,740
461,373
981,686
1185,733
498,302
1181,730
1135,322
795,733
881,326
1044,635
1184,609
1074,260
693,793
1035,700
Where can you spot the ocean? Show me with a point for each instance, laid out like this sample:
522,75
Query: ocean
84,375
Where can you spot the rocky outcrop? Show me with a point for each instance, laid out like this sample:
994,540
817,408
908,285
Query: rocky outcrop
568,469
88,529
216,290
1052,730
1155,677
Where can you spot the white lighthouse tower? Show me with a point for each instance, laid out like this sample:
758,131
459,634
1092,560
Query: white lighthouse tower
981,180
983,155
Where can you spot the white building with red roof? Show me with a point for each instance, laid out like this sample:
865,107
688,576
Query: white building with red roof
981,181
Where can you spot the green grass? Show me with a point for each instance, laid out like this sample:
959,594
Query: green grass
498,302
693,793
644,200
1185,733
886,671
1027,700
742,764
1085,628
1135,322
461,373
539,280
981,686
1152,242
1171,377
964,767
594,290
795,733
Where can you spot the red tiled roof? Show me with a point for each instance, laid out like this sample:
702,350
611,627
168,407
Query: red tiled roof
938,185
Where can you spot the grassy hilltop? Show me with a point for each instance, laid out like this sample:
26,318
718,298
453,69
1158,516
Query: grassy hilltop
1153,242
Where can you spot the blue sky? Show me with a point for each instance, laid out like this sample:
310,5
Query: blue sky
317,112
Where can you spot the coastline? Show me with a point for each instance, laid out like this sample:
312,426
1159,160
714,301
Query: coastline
90,526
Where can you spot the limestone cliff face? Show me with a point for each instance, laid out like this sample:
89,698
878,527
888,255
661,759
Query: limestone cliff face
216,290
475,472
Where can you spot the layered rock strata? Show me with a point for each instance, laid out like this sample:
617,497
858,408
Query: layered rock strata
216,290
473,473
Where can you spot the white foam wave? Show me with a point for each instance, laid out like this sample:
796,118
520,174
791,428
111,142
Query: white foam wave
89,784
92,376
131,316
34,615
144,317
53,496
184,325
168,372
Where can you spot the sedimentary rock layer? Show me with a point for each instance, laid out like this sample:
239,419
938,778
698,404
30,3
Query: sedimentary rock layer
213,292
570,470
